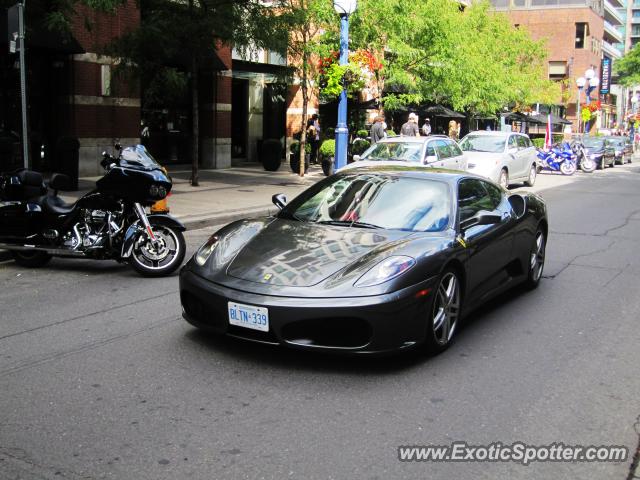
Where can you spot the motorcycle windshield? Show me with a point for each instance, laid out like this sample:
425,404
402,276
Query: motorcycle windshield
138,157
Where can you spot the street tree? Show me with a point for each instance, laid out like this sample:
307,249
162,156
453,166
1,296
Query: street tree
306,22
176,40
471,59
628,68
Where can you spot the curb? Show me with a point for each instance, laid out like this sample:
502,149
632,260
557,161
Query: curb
202,221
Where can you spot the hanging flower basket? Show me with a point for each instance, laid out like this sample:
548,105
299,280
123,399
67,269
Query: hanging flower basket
354,76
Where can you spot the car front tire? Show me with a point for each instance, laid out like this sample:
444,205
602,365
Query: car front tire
536,259
444,314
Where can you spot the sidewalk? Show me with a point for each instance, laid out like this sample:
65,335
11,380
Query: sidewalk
223,195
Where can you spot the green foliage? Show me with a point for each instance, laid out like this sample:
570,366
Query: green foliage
362,133
328,148
628,68
359,145
294,148
473,60
391,133
585,114
336,76
538,142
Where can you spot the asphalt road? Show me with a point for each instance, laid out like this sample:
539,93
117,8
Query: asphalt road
101,378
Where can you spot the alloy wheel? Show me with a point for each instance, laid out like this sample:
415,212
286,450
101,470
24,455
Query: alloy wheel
537,258
446,308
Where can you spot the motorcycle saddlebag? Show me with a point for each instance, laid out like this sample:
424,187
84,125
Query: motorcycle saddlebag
22,185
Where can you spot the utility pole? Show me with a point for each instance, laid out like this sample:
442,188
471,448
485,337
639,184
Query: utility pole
23,84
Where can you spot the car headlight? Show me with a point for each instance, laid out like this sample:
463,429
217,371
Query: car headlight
205,251
385,271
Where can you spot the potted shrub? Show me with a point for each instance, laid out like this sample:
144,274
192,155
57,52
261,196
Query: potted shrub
271,154
294,156
327,153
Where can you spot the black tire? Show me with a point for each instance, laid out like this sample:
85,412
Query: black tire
533,173
30,259
143,251
536,267
294,163
443,316
327,166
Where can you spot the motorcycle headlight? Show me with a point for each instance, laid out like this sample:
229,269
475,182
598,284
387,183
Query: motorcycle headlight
205,251
385,271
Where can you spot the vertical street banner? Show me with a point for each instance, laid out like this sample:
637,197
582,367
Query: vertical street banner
548,139
605,79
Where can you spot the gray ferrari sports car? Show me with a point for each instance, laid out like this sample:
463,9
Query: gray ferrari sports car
370,260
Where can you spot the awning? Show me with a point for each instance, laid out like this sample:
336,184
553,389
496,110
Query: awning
542,118
517,117
440,111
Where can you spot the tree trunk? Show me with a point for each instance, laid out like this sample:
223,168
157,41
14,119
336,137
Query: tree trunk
195,112
305,102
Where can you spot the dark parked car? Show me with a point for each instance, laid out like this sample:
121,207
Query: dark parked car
370,260
623,149
601,151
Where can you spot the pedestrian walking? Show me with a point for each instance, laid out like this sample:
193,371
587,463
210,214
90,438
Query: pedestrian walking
378,131
426,127
410,128
313,137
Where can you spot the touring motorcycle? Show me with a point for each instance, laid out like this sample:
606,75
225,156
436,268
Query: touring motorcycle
558,159
109,222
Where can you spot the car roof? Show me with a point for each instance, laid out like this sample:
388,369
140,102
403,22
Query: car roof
441,174
495,133
420,139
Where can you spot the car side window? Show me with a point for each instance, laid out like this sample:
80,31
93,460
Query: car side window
474,197
442,149
454,149
494,193
513,142
431,151
522,142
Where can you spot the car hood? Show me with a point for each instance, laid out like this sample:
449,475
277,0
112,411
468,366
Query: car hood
483,157
300,254
380,163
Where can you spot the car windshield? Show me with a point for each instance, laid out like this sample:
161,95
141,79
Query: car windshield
592,142
483,143
138,157
397,150
368,200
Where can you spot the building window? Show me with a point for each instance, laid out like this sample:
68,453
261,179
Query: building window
582,31
500,3
557,70
519,3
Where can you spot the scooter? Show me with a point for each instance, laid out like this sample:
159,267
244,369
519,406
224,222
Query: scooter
561,160
109,222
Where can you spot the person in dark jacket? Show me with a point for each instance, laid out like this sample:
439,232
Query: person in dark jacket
377,130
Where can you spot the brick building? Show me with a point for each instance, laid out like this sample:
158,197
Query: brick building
72,93
580,34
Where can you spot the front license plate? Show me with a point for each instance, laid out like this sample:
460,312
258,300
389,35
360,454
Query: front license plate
256,318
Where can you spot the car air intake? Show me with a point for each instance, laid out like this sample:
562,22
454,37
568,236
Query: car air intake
339,332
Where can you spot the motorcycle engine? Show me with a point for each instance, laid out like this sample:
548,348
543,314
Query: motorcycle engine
94,232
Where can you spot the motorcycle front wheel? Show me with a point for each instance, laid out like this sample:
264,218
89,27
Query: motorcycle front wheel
159,257
587,165
568,168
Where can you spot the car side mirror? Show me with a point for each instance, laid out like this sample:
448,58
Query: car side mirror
481,218
518,204
430,159
356,158
279,200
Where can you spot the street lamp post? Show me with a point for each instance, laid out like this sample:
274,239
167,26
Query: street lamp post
580,82
344,9
592,83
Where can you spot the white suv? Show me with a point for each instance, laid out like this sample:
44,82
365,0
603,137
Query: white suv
504,157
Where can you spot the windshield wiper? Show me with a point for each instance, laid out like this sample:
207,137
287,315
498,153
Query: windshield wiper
345,223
